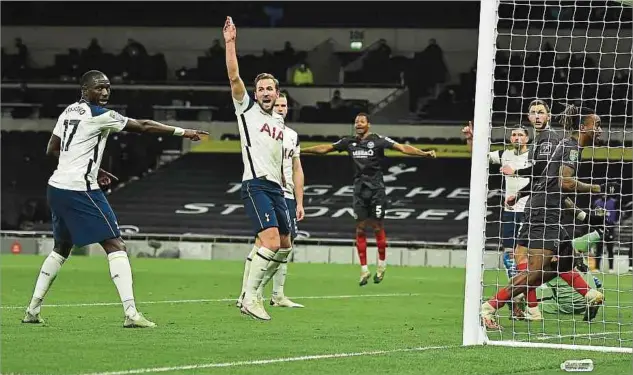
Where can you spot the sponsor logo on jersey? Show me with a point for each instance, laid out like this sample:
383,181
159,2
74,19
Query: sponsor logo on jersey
362,153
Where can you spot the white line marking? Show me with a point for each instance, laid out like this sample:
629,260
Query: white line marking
551,337
217,300
268,361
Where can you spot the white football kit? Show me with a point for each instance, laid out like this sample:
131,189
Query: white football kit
261,136
513,183
84,130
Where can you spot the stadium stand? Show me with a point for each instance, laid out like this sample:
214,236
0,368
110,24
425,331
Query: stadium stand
413,84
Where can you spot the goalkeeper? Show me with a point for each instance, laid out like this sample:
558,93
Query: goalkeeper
557,297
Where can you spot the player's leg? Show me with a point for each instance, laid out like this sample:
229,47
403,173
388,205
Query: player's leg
103,229
508,235
260,208
279,298
362,212
599,253
283,223
378,207
533,277
54,261
511,222
247,268
609,242
121,274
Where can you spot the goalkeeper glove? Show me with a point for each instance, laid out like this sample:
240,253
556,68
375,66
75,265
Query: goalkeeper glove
610,188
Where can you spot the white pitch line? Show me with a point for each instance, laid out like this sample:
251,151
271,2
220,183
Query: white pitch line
91,304
267,361
551,337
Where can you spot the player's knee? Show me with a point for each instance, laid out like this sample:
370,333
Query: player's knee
360,227
270,239
63,248
113,244
285,241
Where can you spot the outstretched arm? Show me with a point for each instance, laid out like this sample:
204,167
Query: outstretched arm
154,127
410,150
319,149
238,90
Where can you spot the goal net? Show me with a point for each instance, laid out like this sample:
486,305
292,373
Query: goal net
563,53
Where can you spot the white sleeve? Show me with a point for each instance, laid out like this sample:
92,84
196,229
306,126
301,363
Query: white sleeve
111,120
494,157
297,151
241,107
57,130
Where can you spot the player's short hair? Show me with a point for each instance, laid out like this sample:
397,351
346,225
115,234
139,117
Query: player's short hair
522,128
261,76
573,116
88,77
539,102
283,95
365,115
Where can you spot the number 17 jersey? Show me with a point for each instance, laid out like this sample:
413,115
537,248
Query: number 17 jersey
83,129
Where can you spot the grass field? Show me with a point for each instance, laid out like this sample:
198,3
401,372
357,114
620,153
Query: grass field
409,324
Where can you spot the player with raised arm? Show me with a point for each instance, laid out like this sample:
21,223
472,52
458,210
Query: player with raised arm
550,249
261,137
512,215
293,193
80,211
367,150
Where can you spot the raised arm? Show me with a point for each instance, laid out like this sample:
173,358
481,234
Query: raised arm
410,150
238,90
319,149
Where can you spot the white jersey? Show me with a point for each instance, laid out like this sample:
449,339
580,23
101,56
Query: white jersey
261,136
513,183
83,129
292,150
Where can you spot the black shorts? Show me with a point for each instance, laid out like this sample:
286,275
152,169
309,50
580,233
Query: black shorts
369,203
542,229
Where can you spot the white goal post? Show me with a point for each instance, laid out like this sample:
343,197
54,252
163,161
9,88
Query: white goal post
597,37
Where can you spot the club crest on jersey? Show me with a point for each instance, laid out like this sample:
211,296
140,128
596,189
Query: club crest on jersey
573,155
276,134
370,145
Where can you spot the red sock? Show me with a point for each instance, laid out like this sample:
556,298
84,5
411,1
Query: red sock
531,297
500,299
361,247
522,266
381,242
575,280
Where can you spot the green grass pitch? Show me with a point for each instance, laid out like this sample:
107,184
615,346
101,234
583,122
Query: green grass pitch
369,331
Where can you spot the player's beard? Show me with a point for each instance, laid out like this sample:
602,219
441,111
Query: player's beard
262,105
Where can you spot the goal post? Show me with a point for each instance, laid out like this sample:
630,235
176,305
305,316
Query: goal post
472,331
562,52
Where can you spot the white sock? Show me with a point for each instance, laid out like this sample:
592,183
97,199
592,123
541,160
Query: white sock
364,268
121,274
382,263
279,279
48,272
280,258
247,268
259,265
